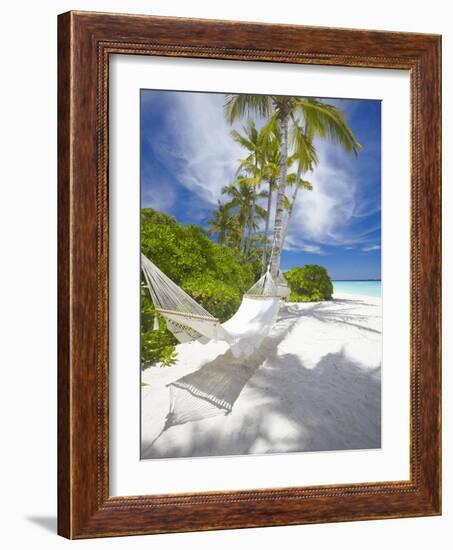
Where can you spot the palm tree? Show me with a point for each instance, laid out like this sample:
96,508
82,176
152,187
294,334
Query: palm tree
257,215
320,119
233,236
306,158
221,222
271,170
243,199
252,165
297,183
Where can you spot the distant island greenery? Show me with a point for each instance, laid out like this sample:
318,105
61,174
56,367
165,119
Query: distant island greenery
246,232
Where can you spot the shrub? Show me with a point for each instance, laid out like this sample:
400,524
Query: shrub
157,346
310,283
220,299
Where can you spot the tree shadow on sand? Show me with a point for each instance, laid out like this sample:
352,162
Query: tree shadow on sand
333,406
326,312
213,389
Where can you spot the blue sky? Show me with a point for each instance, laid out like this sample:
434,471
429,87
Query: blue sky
188,155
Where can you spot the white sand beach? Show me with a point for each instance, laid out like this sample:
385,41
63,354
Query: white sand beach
314,385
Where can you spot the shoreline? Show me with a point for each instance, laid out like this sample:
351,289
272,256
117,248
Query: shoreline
350,296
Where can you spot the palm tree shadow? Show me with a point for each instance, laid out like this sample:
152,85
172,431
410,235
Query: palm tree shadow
334,406
324,313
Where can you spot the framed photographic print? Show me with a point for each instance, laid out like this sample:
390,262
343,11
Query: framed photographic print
249,275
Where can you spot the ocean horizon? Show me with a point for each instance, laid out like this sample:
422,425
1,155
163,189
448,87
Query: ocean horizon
358,287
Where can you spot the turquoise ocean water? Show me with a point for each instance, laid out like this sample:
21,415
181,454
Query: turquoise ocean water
363,288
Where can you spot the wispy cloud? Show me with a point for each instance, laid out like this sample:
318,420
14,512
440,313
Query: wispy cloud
321,214
196,140
160,195
296,245
371,248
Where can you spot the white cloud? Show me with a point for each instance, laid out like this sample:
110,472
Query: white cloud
371,248
321,214
161,200
296,245
198,141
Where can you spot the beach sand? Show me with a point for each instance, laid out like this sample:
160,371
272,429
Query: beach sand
314,385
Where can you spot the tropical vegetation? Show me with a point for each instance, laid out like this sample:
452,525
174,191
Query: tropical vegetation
310,283
215,276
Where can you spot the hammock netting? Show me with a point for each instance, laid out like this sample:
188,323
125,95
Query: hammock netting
189,321
202,394
264,287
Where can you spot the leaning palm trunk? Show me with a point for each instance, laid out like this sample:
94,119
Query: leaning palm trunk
291,205
242,243
278,226
266,230
250,228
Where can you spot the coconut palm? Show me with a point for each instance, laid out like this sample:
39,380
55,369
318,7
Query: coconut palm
306,158
243,196
221,222
296,183
320,119
250,140
252,165
233,236
271,153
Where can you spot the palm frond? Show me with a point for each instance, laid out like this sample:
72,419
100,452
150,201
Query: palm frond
304,184
260,211
304,150
244,105
291,179
286,203
326,121
243,141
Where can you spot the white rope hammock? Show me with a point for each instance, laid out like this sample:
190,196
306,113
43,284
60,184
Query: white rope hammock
189,321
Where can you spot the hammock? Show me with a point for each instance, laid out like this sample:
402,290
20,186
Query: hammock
189,321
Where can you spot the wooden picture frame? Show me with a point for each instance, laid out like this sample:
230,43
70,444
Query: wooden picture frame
85,42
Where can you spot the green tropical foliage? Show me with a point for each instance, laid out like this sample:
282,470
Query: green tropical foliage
310,283
157,346
220,299
215,276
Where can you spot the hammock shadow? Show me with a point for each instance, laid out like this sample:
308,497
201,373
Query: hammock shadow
334,406
214,388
